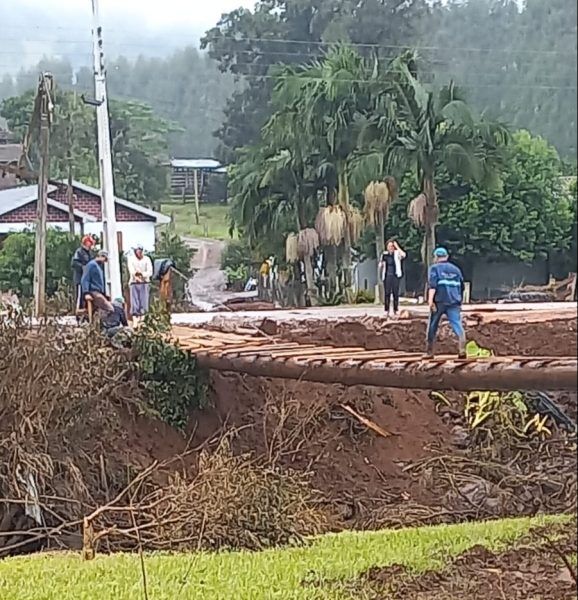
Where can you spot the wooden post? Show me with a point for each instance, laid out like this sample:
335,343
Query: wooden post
70,198
197,209
45,108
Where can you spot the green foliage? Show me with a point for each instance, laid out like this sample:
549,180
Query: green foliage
249,42
237,276
531,215
237,254
170,376
277,573
364,297
139,143
17,262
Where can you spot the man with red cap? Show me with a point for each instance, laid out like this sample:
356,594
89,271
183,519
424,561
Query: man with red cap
82,256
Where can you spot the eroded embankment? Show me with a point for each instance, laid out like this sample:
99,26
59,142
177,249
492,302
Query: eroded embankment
508,335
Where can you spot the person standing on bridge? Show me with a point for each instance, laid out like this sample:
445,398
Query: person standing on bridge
445,297
140,270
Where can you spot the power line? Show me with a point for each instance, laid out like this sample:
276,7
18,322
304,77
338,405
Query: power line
328,45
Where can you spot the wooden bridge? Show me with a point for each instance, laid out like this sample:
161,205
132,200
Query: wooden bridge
255,354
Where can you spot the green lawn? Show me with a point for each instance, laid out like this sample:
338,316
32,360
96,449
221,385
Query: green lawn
275,574
213,223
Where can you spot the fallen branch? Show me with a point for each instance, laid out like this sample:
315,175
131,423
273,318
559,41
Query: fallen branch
368,423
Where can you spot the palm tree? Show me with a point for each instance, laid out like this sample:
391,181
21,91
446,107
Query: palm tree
273,190
442,130
331,95
379,196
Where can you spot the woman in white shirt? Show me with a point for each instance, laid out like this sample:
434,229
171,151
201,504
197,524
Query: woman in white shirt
140,269
391,265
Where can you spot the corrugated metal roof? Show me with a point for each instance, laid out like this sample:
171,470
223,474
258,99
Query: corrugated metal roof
159,217
195,163
14,198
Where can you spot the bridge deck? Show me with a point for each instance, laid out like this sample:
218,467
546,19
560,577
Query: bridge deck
249,353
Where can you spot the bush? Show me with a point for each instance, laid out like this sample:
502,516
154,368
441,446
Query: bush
172,380
364,297
17,262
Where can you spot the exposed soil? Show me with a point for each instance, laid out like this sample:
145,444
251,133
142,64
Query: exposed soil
506,337
422,471
533,570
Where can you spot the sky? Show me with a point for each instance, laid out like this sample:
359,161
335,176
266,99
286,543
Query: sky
201,14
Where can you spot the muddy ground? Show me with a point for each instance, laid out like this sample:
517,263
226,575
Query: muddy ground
514,335
400,478
539,567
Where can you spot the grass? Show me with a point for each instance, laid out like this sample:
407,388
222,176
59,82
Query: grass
274,574
213,224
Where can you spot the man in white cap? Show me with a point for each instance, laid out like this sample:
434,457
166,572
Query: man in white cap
445,297
140,269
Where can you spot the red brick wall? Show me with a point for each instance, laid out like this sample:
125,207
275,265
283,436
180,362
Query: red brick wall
27,214
91,205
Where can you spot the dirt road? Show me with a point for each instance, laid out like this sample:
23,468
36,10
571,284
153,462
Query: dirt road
552,310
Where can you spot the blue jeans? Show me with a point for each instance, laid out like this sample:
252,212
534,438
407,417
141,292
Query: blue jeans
454,315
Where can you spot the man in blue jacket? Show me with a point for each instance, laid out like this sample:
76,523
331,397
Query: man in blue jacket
445,297
92,282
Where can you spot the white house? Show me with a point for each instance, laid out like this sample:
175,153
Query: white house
135,223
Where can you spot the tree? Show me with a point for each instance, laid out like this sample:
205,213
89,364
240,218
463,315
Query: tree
532,215
379,196
443,131
17,262
249,44
139,143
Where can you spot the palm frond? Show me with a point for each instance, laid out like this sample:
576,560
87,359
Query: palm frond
377,201
417,210
355,223
307,243
330,225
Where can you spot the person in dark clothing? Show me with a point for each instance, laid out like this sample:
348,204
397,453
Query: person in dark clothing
82,256
391,265
114,322
92,283
445,297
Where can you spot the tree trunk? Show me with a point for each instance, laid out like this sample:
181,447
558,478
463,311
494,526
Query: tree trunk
405,372
431,221
310,281
331,266
343,194
379,249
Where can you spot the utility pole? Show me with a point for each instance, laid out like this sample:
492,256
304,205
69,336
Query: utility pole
44,107
113,272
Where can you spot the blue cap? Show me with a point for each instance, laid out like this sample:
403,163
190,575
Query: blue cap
441,253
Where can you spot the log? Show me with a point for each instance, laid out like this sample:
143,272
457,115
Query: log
501,375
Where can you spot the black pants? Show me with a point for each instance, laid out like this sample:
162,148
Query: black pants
391,285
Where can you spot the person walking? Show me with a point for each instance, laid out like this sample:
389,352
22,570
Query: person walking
445,297
391,266
82,256
140,270
92,283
